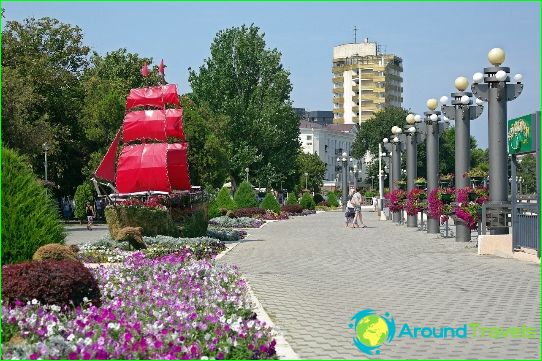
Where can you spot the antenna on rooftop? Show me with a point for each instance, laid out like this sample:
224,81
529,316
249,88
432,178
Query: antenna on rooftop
355,34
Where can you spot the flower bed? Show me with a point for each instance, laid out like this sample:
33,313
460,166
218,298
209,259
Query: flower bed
439,203
226,234
271,216
171,307
241,222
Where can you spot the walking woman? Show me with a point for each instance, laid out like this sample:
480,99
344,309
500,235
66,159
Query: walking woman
356,201
90,215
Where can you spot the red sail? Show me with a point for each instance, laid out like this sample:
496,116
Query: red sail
153,124
177,166
106,169
174,123
143,167
157,96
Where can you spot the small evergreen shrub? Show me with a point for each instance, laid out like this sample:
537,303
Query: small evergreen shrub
318,198
49,282
249,212
245,196
292,199
270,203
54,251
307,202
30,218
83,194
332,199
292,208
224,200
194,225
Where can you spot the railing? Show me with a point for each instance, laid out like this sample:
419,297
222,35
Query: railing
525,227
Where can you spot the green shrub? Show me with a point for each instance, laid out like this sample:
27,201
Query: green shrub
332,199
318,198
269,202
83,194
153,221
30,218
292,199
54,251
307,202
224,200
195,225
245,196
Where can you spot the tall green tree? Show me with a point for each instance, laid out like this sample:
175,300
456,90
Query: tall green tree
42,63
315,169
246,81
527,171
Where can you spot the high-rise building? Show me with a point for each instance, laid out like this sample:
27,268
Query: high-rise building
365,80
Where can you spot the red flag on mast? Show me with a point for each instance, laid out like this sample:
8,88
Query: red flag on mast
161,67
145,70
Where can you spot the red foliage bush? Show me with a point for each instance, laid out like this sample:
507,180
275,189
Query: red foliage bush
291,208
249,212
324,204
50,282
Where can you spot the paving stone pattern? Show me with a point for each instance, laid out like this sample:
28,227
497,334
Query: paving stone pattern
311,275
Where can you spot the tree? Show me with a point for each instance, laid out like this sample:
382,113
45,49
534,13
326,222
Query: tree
42,61
270,203
314,167
371,132
291,199
306,201
527,171
245,81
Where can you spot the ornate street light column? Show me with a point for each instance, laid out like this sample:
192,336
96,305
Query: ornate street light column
344,162
496,91
411,150
462,112
396,165
432,149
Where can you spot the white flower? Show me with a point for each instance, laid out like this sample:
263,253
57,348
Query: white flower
204,358
85,299
55,308
34,301
70,337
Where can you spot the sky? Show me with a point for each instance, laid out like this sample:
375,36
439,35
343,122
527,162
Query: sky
437,41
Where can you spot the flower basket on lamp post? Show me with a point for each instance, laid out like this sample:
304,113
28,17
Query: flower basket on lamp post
446,180
420,183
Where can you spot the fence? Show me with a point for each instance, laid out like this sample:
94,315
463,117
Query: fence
525,227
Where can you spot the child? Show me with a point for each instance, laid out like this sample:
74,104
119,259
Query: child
350,213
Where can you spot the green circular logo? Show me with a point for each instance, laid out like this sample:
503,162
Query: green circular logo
372,330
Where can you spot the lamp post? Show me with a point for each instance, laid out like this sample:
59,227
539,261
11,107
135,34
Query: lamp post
432,145
355,172
344,162
247,170
306,180
411,150
395,165
380,178
497,92
45,149
462,112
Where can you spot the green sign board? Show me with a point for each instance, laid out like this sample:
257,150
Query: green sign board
521,134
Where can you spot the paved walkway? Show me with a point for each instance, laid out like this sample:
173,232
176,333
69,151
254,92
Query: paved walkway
312,275
79,234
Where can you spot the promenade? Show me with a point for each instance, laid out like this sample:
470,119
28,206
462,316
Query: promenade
311,275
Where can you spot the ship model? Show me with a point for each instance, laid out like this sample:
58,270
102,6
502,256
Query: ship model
149,152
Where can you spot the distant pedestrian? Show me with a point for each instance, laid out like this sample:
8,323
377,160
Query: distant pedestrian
90,215
349,214
66,209
356,201
375,203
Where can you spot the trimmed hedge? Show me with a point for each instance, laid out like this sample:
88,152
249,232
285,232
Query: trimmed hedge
248,212
270,203
332,199
245,196
307,202
50,282
30,218
292,199
54,251
153,221
292,208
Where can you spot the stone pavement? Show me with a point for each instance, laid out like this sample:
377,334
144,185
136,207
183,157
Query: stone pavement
79,234
312,275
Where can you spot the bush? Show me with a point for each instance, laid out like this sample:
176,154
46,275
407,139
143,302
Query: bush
224,234
50,282
292,199
323,204
307,202
318,198
370,194
83,194
153,221
270,203
224,200
241,222
248,212
30,218
292,208
54,251
194,225
245,196
131,235
332,199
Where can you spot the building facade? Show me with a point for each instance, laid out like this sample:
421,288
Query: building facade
328,142
364,81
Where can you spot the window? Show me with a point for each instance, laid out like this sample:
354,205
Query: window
309,137
325,148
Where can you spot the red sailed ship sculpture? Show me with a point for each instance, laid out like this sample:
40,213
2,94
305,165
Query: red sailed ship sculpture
154,152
